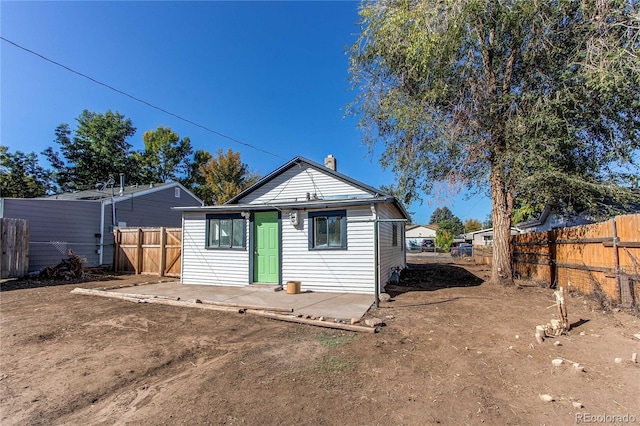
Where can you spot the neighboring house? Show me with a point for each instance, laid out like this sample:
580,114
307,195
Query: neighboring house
552,218
302,222
414,234
484,237
83,221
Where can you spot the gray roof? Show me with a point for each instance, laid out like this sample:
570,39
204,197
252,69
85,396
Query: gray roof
107,193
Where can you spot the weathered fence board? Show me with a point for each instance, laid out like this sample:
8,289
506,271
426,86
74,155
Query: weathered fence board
602,257
14,248
154,251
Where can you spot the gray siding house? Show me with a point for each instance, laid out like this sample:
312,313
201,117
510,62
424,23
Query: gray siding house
83,221
553,217
484,237
302,222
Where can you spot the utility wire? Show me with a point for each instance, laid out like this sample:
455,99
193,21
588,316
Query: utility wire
143,101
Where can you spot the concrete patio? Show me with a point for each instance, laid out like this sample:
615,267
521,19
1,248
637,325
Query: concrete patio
330,305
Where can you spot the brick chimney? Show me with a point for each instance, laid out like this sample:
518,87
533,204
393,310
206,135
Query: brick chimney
331,163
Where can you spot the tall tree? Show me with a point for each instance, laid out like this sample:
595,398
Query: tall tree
21,176
444,239
454,226
523,211
226,176
445,219
488,221
97,150
440,214
472,225
195,180
165,156
527,100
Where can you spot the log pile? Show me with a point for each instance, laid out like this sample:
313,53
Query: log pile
69,268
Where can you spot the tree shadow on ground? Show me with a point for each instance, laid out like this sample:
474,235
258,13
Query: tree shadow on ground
430,277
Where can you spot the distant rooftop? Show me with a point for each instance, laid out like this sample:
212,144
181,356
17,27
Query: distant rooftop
433,226
97,194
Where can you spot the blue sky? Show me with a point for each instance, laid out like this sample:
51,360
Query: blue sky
271,74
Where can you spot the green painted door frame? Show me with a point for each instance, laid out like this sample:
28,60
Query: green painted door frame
266,247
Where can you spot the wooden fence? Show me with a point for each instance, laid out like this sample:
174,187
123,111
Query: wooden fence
14,248
155,251
602,257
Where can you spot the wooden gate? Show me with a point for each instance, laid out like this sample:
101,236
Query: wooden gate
155,251
14,248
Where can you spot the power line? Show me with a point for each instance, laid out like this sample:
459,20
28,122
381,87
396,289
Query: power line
142,101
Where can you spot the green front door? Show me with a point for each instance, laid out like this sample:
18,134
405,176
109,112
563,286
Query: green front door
266,259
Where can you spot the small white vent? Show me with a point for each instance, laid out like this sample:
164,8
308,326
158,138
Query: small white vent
177,192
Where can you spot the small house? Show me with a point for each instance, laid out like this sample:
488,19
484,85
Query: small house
415,234
484,237
554,217
83,221
302,222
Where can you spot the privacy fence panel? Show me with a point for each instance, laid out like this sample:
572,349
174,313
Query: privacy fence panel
482,254
155,251
14,248
602,257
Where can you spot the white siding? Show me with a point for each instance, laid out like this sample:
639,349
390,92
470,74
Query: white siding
350,270
215,267
295,183
421,232
391,256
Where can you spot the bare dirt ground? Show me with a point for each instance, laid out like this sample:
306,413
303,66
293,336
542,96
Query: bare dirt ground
455,350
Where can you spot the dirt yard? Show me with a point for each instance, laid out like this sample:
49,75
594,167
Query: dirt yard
454,351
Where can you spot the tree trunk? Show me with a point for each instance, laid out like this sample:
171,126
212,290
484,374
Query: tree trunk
502,208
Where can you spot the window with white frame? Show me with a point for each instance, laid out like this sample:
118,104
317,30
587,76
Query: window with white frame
226,232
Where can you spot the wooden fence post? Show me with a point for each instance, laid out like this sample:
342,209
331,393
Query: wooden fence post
163,250
138,265
552,247
616,259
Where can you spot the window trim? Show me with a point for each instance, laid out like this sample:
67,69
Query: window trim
343,228
208,219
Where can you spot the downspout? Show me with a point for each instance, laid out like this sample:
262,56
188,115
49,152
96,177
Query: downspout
377,262
113,210
376,256
113,214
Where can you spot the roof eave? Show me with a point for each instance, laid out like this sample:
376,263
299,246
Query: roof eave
294,205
